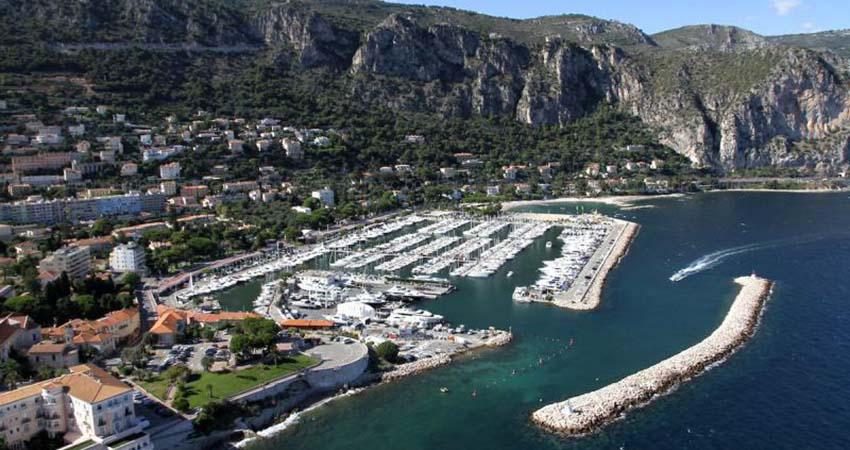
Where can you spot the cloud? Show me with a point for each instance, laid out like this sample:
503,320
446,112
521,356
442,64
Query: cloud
810,27
783,7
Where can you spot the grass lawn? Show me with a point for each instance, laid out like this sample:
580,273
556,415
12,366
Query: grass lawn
158,388
228,384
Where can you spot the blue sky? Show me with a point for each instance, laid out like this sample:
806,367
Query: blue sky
767,17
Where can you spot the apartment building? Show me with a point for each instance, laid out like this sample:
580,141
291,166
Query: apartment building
75,261
128,258
86,405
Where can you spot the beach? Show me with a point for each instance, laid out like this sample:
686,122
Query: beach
616,200
589,412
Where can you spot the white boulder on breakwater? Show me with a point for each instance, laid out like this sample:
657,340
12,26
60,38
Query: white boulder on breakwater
588,412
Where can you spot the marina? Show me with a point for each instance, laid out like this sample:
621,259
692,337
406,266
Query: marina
590,249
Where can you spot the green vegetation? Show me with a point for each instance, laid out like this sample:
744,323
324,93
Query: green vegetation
200,389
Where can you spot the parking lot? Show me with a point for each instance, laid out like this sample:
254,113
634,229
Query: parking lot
189,355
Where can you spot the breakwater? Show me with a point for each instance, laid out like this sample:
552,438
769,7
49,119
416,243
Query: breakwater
498,339
588,412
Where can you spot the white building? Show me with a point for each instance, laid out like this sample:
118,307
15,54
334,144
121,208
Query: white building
292,148
170,171
75,261
86,405
128,258
492,191
326,196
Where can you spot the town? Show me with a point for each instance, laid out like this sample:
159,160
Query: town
116,238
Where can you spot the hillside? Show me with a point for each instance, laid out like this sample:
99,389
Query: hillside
724,97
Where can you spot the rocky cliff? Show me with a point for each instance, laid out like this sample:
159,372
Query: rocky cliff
724,97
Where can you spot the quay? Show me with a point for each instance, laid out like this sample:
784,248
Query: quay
586,293
589,412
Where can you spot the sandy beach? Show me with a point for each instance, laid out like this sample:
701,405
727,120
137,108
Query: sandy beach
589,412
616,200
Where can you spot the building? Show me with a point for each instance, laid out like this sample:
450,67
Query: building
448,172
55,356
41,161
168,188
492,191
239,186
263,145
171,323
18,332
129,169
170,171
128,258
198,191
88,404
18,190
293,148
103,334
75,261
235,145
72,175
326,196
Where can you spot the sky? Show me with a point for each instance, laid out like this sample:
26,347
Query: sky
767,17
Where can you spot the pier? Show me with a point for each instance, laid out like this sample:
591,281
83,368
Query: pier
586,293
589,412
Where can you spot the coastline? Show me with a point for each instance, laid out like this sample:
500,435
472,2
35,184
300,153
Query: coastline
499,339
592,297
589,412
616,200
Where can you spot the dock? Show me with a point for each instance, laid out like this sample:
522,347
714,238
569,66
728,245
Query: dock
586,293
588,412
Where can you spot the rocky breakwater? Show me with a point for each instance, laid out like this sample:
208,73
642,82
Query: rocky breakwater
497,338
588,412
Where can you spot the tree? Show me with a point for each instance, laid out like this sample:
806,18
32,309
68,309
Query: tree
388,350
130,280
210,390
206,363
181,404
101,227
177,373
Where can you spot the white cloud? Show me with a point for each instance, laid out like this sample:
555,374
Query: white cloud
783,7
810,27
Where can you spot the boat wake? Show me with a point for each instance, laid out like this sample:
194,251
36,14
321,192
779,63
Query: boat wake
711,260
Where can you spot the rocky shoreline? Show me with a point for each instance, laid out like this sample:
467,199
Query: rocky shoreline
593,296
499,339
589,412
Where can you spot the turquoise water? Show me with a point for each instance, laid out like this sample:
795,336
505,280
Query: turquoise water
786,389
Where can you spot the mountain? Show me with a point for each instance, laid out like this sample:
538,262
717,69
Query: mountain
837,41
724,97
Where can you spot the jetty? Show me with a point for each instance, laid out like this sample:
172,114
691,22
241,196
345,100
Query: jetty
586,293
589,412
